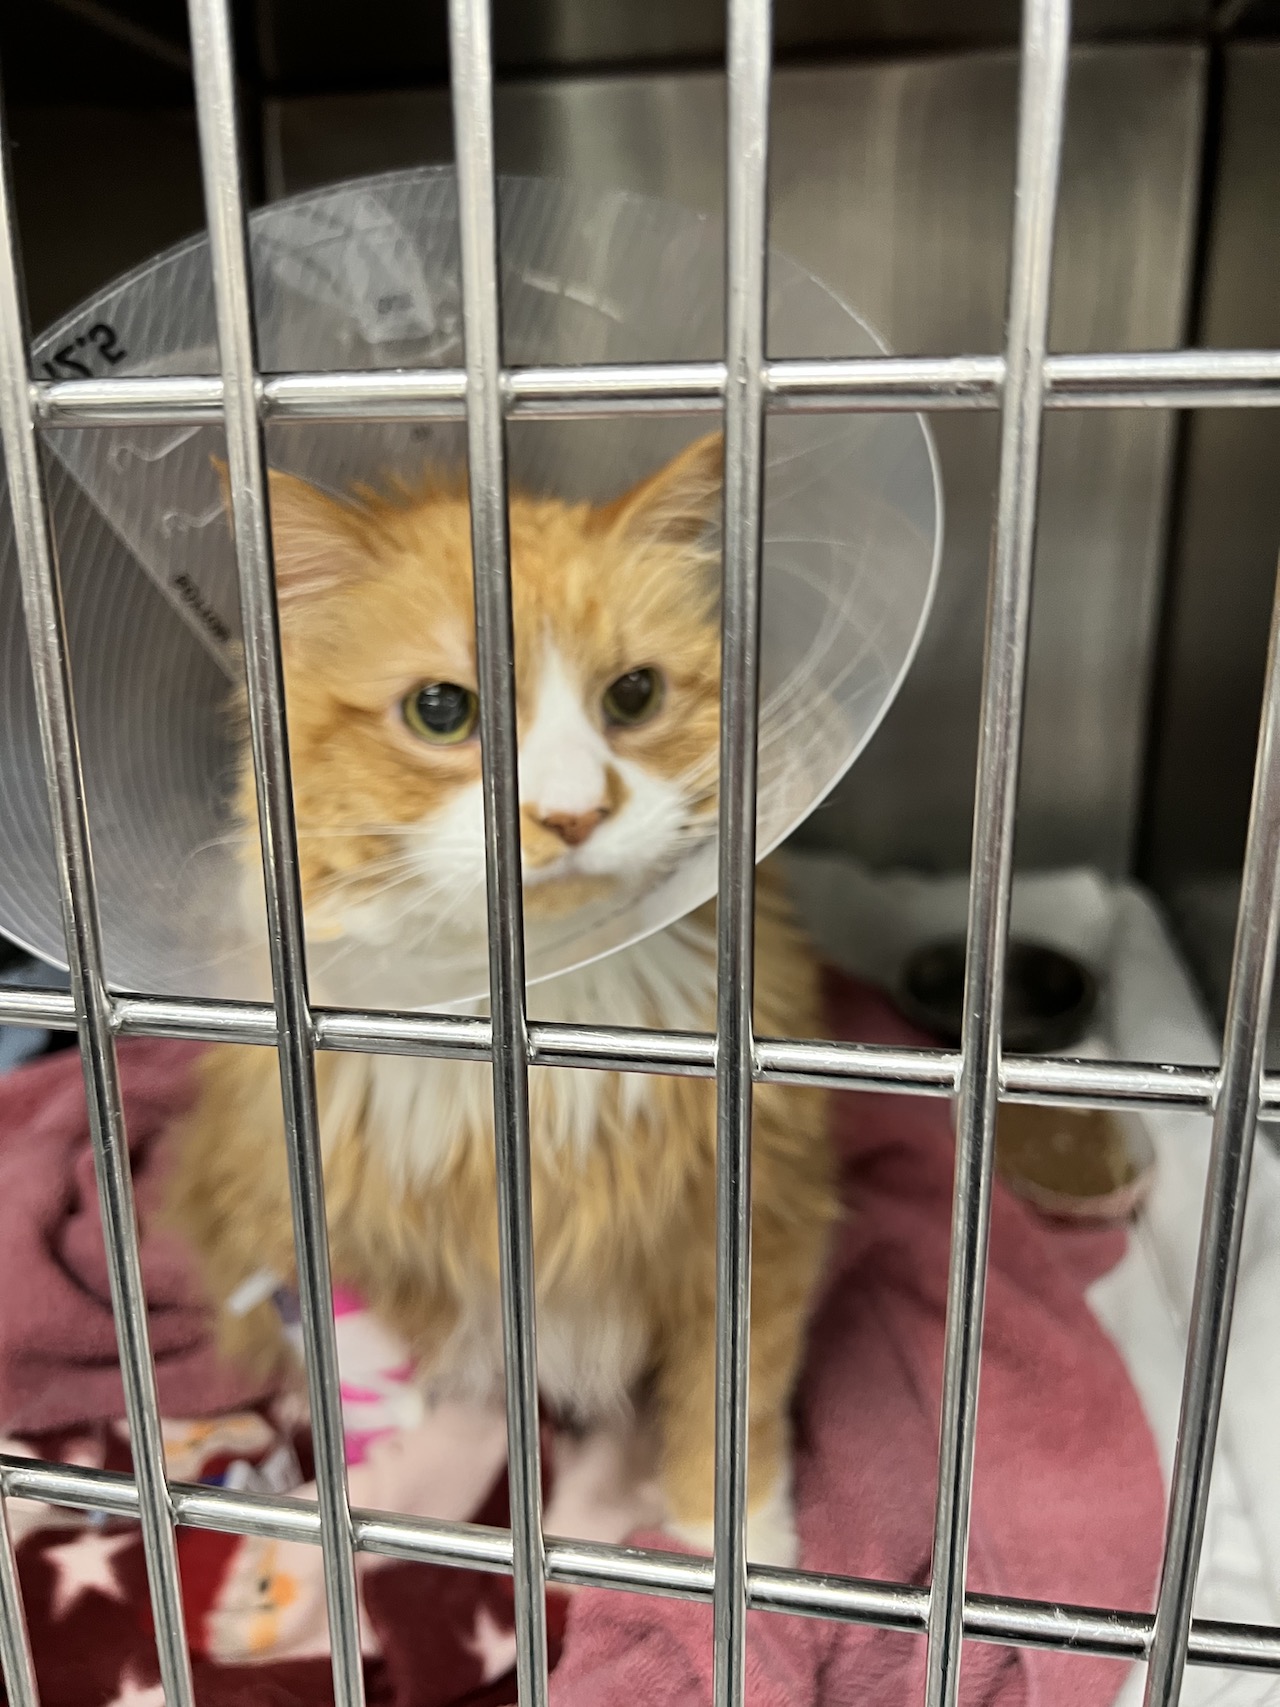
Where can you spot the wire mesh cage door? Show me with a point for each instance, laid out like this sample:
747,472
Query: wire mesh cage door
1021,383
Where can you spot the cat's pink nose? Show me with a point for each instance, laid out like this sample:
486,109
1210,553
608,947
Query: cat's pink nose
573,828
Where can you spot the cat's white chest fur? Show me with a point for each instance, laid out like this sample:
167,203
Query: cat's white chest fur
418,1109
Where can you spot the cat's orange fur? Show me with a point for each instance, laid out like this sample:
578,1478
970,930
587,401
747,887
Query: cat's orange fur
376,597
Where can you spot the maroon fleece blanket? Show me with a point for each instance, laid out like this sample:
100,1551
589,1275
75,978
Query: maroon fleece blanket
1067,1506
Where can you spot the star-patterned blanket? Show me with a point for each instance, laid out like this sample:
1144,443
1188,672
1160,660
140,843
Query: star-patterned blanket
1067,1501
255,1608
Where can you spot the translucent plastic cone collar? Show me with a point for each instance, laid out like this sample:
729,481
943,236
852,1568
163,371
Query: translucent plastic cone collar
365,276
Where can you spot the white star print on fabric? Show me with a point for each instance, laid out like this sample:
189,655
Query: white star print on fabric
493,1646
85,1566
134,1694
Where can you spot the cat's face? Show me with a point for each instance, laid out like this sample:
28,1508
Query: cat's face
617,683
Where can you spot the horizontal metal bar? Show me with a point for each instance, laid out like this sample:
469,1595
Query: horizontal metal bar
855,1600
698,387
408,394
143,401
1164,379
1047,1080
831,385
1143,379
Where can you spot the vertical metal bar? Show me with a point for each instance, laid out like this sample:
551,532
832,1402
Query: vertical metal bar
229,256
1046,32
51,674
16,1666
471,77
746,287
1234,1124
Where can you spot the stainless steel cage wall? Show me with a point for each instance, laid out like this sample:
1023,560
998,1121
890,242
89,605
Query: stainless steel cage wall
1022,382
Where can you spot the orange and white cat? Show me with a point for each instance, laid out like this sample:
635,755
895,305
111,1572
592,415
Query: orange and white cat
617,670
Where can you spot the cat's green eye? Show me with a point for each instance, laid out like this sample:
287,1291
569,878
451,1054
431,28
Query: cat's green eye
633,698
441,712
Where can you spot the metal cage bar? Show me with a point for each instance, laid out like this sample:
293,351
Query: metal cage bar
214,77
1226,1191
471,75
1046,39
16,1667
1022,381
750,25
1150,379
55,705
1048,1080
884,1605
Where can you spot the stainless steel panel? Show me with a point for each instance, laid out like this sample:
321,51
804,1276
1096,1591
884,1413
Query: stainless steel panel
893,182
311,44
1228,535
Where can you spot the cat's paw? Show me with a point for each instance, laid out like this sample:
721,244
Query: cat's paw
771,1531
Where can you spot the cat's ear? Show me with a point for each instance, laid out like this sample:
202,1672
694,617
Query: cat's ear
679,504
315,539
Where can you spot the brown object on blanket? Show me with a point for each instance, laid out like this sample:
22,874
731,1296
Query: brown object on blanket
1080,1164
